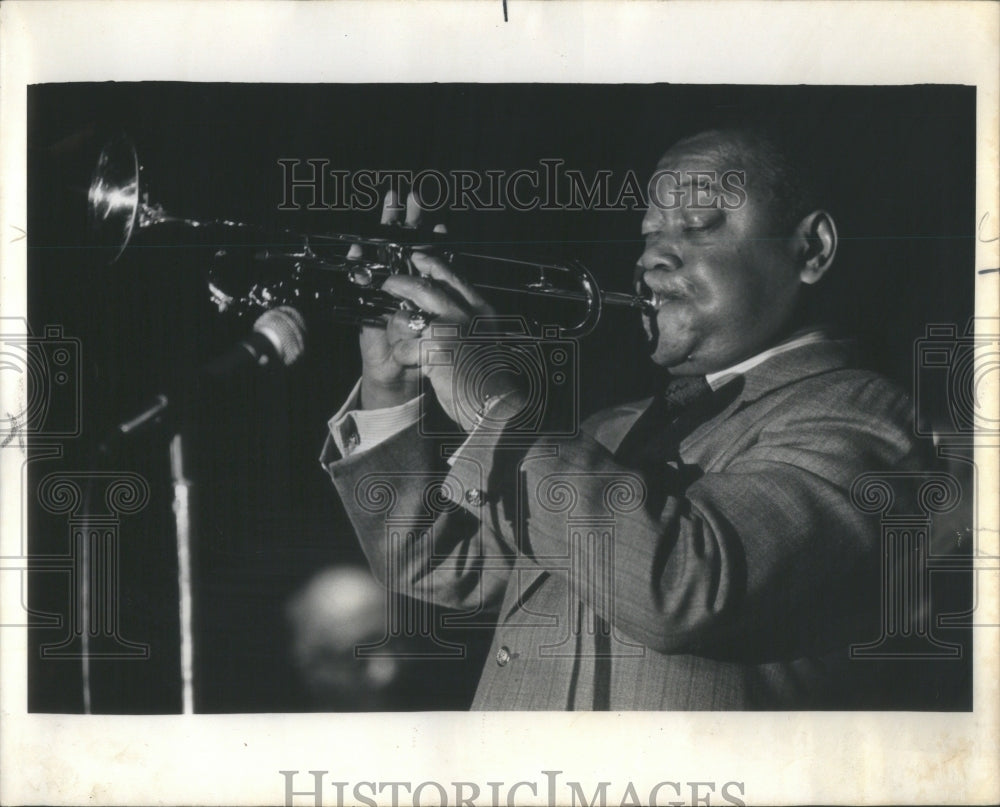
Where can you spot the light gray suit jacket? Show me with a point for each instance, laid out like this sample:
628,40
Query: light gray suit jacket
738,585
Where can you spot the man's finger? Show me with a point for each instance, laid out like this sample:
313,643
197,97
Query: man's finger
440,271
392,208
407,352
414,210
422,292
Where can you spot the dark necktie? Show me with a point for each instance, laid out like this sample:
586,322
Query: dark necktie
681,393
654,438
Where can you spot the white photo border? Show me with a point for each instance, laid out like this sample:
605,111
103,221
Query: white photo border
781,758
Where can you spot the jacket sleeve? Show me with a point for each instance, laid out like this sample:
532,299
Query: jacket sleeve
404,507
762,556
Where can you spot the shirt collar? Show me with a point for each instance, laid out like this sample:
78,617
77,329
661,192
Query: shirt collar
717,379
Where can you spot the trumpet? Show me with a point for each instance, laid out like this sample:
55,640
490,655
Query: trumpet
317,269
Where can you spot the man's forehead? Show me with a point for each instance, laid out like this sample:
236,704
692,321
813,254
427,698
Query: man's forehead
711,149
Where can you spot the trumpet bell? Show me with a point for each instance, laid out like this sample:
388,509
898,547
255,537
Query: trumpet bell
113,197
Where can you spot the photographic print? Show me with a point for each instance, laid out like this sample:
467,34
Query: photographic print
442,407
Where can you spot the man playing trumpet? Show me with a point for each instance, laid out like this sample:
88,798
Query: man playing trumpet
699,550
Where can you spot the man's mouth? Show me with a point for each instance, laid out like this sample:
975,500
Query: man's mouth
655,300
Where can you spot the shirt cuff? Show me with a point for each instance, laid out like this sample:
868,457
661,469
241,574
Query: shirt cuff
354,430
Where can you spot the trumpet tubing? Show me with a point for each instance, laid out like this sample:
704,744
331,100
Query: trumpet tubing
318,270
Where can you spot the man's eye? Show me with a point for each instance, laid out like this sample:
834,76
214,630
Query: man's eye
703,223
699,227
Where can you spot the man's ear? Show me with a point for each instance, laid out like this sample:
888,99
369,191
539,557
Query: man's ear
815,241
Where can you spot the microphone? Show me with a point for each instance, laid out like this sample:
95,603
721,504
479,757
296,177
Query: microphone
278,335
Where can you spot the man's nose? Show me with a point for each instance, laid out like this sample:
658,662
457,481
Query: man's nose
655,259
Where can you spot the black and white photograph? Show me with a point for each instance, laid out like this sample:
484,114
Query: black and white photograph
379,406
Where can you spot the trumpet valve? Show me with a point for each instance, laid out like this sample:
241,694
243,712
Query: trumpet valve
361,276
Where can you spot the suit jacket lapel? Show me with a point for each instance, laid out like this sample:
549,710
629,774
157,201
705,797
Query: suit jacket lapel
612,427
778,372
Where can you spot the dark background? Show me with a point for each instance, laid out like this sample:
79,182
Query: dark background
902,168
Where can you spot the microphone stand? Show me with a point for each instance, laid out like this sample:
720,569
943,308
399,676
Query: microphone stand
278,335
184,527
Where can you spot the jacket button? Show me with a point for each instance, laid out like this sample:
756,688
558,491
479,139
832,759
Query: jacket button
503,656
475,497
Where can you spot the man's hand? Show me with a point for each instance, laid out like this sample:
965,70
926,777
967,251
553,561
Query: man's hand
385,381
391,357
454,302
